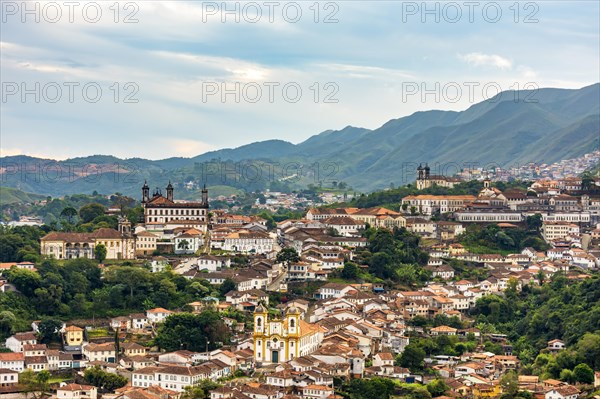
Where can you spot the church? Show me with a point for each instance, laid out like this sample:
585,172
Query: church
426,180
281,340
165,213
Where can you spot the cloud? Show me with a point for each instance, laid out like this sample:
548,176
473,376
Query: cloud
479,59
186,147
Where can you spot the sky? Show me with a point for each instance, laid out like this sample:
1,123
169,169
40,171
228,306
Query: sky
160,79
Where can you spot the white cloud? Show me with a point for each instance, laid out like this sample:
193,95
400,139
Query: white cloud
186,147
479,59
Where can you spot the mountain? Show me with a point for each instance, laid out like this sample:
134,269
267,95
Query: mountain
513,128
13,196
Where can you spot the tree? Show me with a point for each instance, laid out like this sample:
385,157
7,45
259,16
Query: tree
510,383
588,349
534,222
49,330
184,245
26,281
288,256
36,384
104,381
437,387
7,321
69,213
412,357
89,212
228,285
199,391
194,332
350,271
567,376
100,252
584,374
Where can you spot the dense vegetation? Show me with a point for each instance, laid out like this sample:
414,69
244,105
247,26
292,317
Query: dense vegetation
493,239
559,309
394,256
21,243
78,289
194,332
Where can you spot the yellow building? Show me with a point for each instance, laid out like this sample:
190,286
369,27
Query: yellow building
119,244
74,336
486,391
281,340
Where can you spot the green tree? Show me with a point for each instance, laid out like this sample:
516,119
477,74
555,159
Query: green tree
228,285
7,321
287,256
588,349
568,376
584,374
412,357
194,332
100,252
69,214
104,381
183,245
350,271
437,387
199,391
89,212
510,384
26,281
49,330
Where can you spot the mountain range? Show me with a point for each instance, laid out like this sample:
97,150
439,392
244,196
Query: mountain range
513,128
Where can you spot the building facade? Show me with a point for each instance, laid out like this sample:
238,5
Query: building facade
281,340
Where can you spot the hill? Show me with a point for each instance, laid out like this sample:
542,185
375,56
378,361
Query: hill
510,129
10,196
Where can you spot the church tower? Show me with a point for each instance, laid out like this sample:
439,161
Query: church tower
204,195
261,326
145,192
170,191
292,317
125,226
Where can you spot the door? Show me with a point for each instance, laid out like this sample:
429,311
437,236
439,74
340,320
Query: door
274,356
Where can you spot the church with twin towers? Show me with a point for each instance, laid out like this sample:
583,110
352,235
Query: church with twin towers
165,213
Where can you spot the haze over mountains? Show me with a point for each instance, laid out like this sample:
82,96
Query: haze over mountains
553,124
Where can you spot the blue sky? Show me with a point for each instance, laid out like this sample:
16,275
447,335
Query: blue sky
374,59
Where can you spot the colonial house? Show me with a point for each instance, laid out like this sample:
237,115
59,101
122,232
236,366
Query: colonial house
12,361
189,242
119,244
145,243
213,263
77,391
157,315
8,378
73,336
16,342
556,345
246,241
100,352
430,204
562,392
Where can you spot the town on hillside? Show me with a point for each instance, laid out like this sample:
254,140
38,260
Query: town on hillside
491,295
